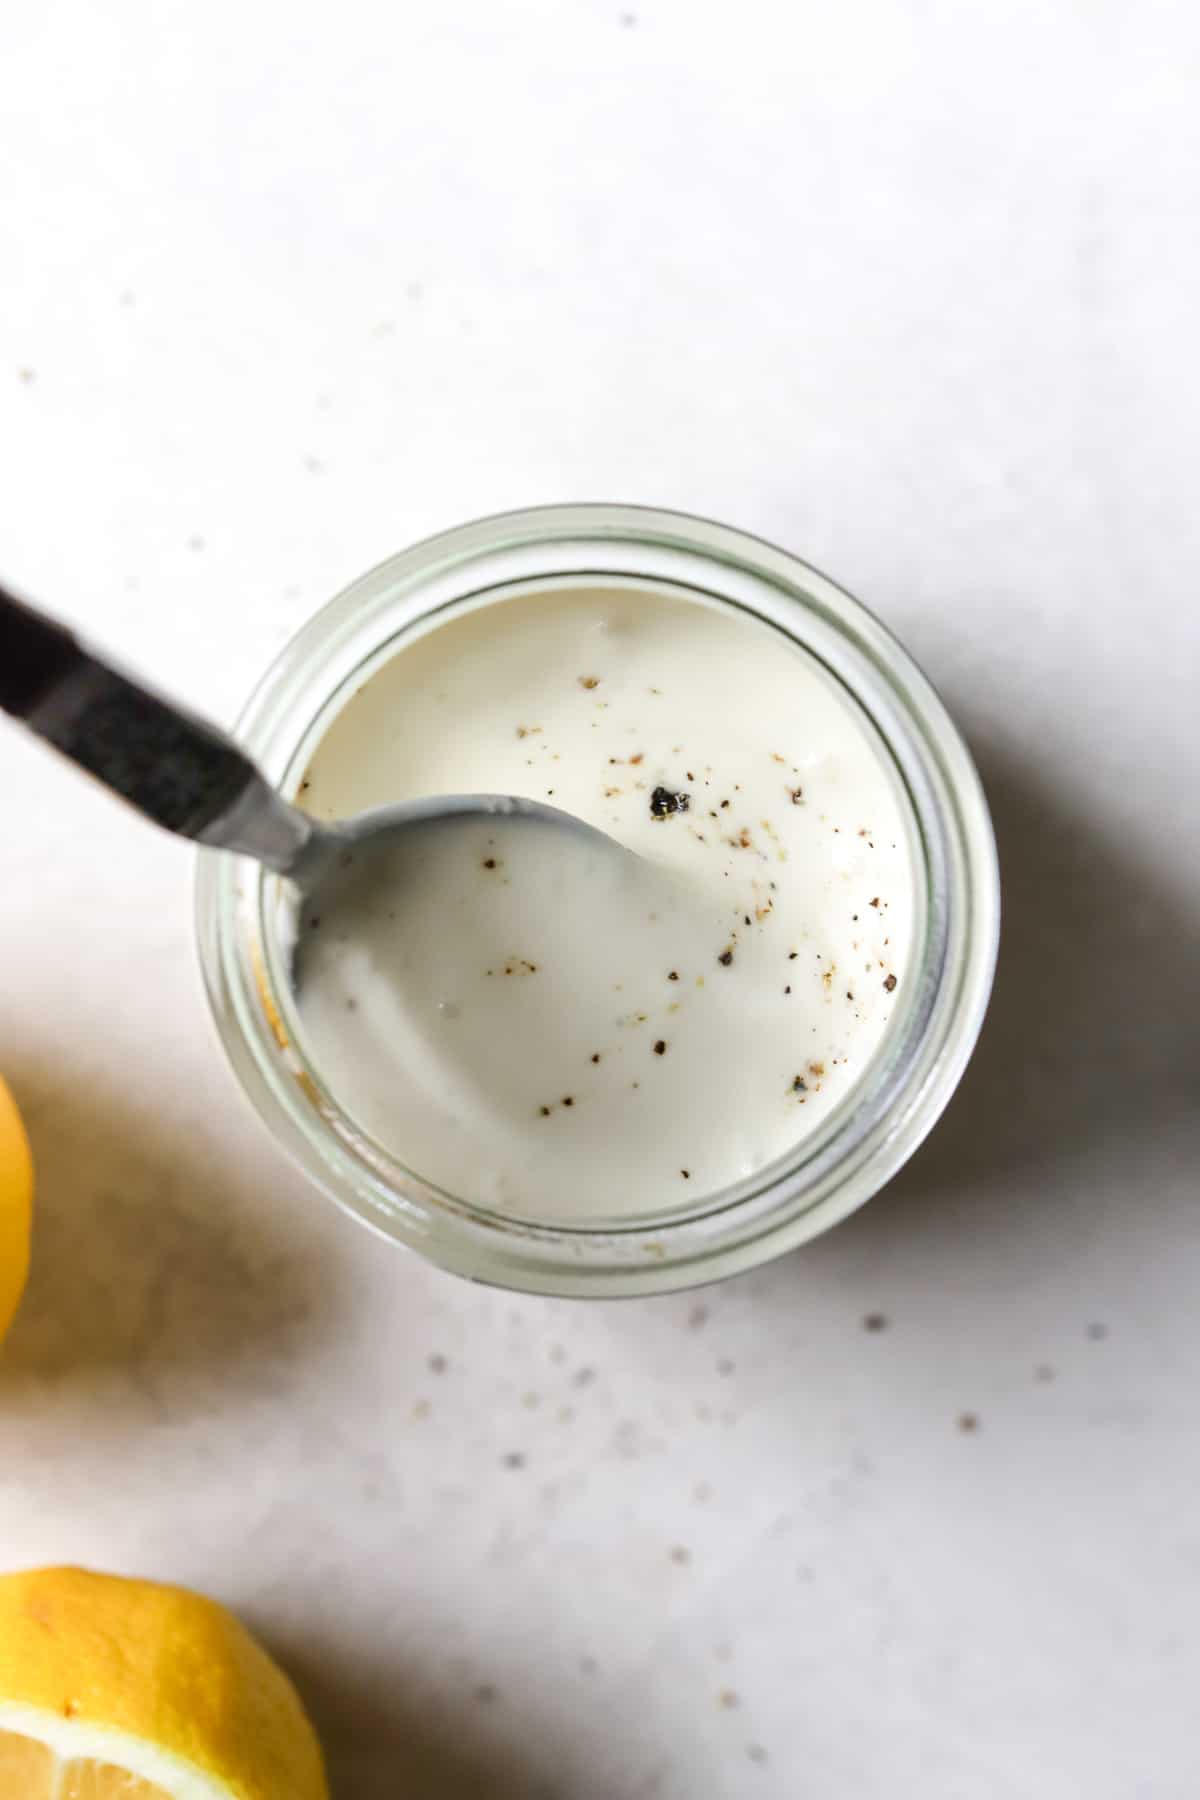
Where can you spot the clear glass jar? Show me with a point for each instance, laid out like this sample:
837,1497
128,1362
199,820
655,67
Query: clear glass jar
929,1038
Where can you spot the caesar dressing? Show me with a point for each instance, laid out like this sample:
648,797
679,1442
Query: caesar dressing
557,1029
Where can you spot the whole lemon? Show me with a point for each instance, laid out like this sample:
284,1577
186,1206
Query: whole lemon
16,1203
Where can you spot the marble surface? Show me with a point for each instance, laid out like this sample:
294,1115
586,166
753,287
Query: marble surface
910,288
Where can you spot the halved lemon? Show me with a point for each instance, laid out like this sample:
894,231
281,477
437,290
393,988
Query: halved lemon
112,1689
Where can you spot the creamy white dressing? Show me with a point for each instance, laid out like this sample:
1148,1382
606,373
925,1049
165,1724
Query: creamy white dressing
560,1031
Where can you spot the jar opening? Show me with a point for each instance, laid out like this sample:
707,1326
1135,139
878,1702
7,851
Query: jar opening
829,1075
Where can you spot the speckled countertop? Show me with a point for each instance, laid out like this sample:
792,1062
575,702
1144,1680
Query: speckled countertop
911,290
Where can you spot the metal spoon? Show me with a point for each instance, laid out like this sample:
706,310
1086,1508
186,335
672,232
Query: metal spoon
186,775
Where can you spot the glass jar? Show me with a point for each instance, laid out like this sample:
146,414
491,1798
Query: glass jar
929,1038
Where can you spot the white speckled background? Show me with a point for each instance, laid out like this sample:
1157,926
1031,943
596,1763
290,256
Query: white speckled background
912,288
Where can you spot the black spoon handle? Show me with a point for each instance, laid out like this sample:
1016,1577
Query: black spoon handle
176,769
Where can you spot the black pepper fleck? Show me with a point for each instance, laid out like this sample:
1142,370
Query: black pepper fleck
890,983
568,1099
660,1048
875,1321
663,803
725,958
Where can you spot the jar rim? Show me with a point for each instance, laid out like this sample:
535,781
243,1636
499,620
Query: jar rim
829,1175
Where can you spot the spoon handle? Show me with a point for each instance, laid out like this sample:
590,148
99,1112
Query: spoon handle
178,770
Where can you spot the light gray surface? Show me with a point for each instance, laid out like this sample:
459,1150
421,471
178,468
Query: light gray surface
913,290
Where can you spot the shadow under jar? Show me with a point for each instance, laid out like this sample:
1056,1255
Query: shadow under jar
310,724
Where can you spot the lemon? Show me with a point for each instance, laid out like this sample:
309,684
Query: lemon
16,1198
129,1690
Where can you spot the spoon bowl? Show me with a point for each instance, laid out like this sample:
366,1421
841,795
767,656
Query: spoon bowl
333,847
